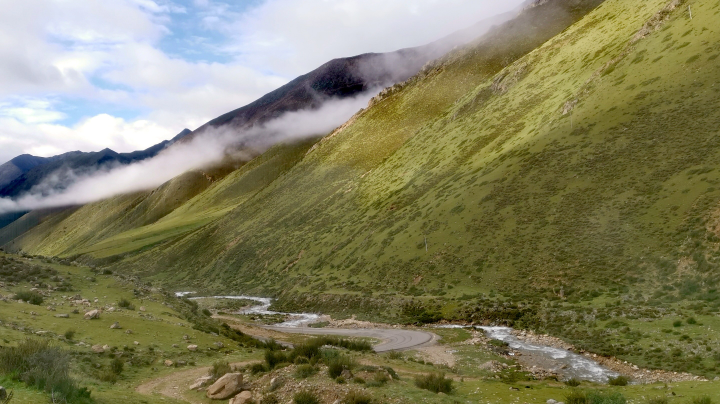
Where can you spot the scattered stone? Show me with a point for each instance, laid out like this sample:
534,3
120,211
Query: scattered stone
115,326
62,315
347,375
219,344
201,383
276,383
226,387
242,398
175,346
168,362
106,347
92,315
192,348
142,308
50,308
186,337
98,349
76,311
181,363
136,343
551,401
128,331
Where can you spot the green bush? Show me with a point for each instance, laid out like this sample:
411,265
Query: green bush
69,335
572,382
44,367
125,304
435,382
337,364
305,371
257,368
598,397
677,323
306,397
576,397
207,312
29,297
702,400
274,358
270,399
658,400
379,379
618,381
220,369
691,321
357,397
117,366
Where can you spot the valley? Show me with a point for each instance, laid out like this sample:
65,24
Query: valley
526,217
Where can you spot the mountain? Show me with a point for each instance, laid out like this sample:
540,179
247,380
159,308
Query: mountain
346,77
26,172
568,157
359,202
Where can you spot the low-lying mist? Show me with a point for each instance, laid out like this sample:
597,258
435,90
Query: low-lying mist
68,188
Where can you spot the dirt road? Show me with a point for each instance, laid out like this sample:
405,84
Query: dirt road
392,339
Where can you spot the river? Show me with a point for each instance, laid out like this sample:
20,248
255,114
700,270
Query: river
557,360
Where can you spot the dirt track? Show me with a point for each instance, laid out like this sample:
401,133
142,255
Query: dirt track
393,339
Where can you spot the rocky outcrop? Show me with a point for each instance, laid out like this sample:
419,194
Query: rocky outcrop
226,387
92,315
242,398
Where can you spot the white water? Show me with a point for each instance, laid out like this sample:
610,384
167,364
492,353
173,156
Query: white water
569,364
263,308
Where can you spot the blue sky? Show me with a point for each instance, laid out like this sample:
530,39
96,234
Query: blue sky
126,74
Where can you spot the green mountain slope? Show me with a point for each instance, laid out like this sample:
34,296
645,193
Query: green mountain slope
541,162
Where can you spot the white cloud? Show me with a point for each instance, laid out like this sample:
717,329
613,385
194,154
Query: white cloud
202,151
111,53
295,36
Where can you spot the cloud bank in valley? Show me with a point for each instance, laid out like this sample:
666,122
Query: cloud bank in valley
204,150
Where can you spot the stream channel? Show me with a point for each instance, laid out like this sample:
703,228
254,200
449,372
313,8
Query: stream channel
557,360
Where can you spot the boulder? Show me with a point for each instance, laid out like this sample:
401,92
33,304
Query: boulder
128,331
192,348
98,349
142,308
226,386
201,383
242,398
168,362
276,383
115,326
136,343
62,315
92,315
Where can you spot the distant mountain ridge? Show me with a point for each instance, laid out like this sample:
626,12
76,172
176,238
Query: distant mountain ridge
25,172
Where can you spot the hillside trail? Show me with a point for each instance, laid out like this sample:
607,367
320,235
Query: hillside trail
176,384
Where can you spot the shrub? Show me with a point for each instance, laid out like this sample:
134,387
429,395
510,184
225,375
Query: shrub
207,312
305,397
117,366
658,400
270,399
301,360
356,397
618,381
220,369
702,400
691,321
256,368
605,398
572,382
337,364
29,297
379,379
125,304
435,382
305,371
69,335
395,355
108,376
274,358
576,397
44,367
677,323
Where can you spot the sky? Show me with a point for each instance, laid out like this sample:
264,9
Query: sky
127,74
